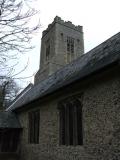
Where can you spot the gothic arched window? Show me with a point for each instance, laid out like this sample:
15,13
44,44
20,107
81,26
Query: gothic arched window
70,111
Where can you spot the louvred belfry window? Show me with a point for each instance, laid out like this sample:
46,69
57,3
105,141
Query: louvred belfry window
70,124
70,45
70,49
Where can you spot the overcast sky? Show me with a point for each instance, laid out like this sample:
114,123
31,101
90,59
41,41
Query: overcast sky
100,20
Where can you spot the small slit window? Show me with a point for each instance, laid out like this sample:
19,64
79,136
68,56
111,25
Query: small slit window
47,50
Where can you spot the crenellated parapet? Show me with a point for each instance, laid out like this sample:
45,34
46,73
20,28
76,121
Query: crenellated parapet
65,23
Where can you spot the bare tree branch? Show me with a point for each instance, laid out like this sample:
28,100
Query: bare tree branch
16,32
8,91
16,28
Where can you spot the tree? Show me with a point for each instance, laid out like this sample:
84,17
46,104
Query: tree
8,91
15,31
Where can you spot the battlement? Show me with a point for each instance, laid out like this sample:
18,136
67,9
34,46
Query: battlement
62,22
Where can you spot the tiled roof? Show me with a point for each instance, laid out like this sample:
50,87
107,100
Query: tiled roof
99,57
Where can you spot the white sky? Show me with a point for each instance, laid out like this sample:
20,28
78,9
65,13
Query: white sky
100,20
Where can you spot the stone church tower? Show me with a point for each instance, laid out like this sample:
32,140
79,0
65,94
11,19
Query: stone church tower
62,42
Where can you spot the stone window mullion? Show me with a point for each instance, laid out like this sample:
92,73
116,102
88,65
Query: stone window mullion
62,125
75,134
67,136
71,126
79,122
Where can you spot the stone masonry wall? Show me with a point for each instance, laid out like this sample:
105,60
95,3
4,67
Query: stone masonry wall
101,129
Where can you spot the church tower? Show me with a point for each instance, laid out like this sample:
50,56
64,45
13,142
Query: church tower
61,43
